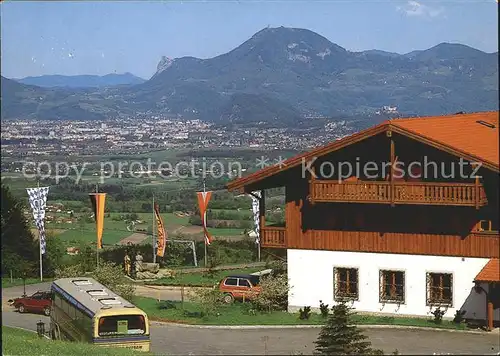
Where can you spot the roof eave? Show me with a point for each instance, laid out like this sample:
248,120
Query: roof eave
446,148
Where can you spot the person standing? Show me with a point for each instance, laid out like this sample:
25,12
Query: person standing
127,264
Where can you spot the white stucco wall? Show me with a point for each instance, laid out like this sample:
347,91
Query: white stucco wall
312,279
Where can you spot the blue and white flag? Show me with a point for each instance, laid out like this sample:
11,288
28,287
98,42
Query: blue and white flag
38,202
256,214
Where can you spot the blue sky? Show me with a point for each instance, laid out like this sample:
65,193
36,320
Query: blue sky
105,37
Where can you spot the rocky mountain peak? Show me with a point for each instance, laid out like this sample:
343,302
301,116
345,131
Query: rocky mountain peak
165,62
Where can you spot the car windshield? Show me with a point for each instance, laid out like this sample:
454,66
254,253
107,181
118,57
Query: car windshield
255,280
122,325
41,295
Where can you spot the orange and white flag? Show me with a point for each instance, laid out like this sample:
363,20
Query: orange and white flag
162,233
98,200
203,199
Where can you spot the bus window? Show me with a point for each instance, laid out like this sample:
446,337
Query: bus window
121,324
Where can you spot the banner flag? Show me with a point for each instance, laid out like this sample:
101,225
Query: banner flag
38,202
162,233
256,214
98,201
203,199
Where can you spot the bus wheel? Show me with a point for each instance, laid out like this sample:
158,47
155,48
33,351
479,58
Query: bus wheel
46,311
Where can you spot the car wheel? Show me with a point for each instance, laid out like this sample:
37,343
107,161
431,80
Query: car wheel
21,309
46,311
228,298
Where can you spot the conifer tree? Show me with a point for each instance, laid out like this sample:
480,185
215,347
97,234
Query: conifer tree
340,337
18,246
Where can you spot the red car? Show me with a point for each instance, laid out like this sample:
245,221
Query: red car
244,287
39,302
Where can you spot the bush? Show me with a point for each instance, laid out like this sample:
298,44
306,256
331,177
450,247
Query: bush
113,277
20,267
53,258
107,273
76,270
195,220
279,267
87,258
176,254
305,314
459,316
274,294
180,254
209,299
212,263
438,315
229,252
324,309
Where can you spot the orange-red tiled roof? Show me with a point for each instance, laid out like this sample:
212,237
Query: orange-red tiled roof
490,272
459,134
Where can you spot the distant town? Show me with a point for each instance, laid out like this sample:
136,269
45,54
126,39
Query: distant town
25,138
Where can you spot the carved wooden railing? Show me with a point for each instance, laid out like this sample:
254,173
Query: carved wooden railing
486,234
273,236
426,193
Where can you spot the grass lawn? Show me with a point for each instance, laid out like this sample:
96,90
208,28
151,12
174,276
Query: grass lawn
244,214
200,278
6,283
20,342
114,231
238,314
87,235
225,232
168,218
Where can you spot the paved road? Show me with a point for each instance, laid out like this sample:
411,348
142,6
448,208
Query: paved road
180,340
14,292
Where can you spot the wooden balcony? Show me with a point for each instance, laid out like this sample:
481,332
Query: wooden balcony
382,192
273,236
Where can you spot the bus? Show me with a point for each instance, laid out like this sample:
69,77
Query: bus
84,310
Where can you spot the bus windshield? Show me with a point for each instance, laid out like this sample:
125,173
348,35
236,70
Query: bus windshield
122,325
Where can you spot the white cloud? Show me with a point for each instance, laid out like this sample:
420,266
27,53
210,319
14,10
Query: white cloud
417,9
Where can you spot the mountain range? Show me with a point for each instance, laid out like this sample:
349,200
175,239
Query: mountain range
82,81
283,76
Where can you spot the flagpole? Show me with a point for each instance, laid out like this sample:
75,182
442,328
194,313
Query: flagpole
258,248
205,222
95,217
259,236
40,241
153,231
